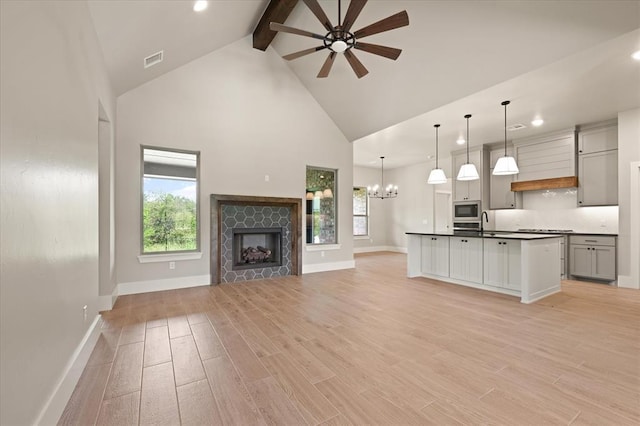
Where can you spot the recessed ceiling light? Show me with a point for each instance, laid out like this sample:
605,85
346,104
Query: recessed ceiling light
537,122
200,5
460,141
636,55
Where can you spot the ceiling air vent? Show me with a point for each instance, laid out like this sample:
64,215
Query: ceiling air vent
515,127
151,60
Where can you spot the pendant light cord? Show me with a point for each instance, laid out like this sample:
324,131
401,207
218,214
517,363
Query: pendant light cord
339,13
436,126
382,173
468,116
505,103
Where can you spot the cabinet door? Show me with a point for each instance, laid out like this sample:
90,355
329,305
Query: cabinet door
500,194
460,188
440,256
458,258
493,262
475,186
426,249
604,262
474,259
598,179
596,140
580,260
512,261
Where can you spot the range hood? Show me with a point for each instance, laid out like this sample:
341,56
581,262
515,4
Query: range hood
552,183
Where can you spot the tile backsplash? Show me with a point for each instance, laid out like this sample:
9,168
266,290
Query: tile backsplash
556,209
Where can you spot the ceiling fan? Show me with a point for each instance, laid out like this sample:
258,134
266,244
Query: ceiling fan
340,39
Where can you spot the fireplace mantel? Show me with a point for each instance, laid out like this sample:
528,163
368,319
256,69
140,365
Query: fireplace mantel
218,201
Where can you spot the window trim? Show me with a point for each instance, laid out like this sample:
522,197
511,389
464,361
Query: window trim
151,256
336,241
366,215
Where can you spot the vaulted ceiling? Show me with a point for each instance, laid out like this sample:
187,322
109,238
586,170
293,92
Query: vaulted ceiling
568,61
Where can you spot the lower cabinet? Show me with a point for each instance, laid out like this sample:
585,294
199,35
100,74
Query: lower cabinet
465,262
593,257
435,255
502,263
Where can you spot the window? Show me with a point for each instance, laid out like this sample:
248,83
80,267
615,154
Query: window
360,212
321,206
170,201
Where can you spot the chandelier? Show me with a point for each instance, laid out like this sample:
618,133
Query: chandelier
380,191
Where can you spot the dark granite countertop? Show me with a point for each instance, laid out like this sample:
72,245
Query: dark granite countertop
490,234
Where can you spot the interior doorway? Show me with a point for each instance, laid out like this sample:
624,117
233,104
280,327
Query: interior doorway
443,213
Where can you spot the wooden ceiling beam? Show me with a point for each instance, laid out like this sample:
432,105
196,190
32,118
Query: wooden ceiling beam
277,11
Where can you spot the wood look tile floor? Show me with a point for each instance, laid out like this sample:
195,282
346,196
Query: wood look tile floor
364,346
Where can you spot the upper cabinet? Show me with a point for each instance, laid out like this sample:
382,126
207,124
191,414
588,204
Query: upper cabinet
471,189
598,166
544,157
500,194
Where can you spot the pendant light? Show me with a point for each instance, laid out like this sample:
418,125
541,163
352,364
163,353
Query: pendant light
468,170
437,175
506,165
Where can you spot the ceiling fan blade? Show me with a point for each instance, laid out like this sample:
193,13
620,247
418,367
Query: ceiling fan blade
355,7
326,67
317,10
296,55
376,49
398,20
357,66
274,26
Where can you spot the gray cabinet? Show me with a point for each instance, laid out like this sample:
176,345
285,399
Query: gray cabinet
502,263
592,257
598,167
435,255
500,194
465,259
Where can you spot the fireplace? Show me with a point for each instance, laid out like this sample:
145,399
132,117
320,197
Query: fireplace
256,248
241,222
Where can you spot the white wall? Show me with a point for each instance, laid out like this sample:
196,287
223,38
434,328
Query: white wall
629,238
249,116
378,213
413,210
52,78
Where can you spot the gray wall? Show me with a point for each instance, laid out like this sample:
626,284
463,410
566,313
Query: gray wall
249,116
51,80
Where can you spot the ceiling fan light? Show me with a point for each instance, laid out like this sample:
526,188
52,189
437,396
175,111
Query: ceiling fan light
436,177
468,172
506,166
339,46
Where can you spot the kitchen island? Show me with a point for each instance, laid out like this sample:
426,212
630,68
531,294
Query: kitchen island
518,264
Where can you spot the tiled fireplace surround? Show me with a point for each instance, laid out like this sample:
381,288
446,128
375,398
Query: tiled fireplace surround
232,211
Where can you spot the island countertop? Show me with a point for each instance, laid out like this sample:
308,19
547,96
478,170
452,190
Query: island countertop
489,234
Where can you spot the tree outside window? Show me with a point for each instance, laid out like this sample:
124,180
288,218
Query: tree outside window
321,226
170,219
360,212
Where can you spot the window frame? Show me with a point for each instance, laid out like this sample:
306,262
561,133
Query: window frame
161,254
366,215
335,242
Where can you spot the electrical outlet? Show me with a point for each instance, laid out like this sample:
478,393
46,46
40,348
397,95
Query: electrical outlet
172,265
84,312
322,253
266,178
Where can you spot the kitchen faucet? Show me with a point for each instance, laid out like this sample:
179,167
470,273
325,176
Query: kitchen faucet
484,215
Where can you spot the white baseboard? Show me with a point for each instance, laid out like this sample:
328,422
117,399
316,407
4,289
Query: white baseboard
627,281
105,303
136,287
332,266
380,248
61,394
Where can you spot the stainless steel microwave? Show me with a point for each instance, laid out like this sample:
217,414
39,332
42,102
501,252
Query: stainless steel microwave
466,210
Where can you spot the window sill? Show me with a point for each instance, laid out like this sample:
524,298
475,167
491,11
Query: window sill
361,237
168,257
321,247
